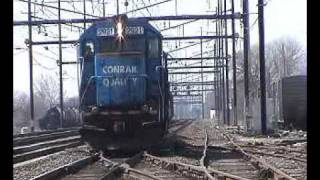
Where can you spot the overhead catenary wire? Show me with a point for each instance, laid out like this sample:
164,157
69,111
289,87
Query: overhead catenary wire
145,12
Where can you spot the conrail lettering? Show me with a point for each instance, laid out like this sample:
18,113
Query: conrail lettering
118,82
120,69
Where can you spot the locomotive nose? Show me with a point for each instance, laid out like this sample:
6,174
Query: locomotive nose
122,81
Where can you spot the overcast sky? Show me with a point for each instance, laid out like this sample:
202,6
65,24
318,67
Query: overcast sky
282,18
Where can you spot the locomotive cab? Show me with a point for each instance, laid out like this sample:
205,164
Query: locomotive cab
123,88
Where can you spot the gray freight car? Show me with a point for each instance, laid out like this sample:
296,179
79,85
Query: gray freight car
294,101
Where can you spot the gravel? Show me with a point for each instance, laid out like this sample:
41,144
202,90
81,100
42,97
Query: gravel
194,135
274,145
24,171
291,167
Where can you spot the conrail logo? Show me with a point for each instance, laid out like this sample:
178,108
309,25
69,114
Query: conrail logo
118,82
120,69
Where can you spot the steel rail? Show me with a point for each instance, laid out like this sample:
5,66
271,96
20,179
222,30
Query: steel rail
204,156
276,155
43,137
32,147
67,169
199,169
277,172
44,132
45,151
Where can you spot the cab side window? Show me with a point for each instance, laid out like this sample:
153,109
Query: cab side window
153,48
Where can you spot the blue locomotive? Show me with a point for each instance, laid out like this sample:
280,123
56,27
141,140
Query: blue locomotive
124,91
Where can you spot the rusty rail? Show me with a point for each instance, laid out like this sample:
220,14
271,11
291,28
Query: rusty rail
194,168
204,156
277,174
66,169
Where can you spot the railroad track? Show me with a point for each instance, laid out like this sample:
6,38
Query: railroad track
208,148
138,166
265,169
39,144
179,125
213,156
44,132
280,152
281,160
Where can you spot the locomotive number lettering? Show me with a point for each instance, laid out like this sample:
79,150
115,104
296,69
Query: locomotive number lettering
134,30
105,32
128,30
120,69
118,82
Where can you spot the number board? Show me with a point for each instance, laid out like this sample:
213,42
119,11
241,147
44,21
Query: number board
105,31
133,30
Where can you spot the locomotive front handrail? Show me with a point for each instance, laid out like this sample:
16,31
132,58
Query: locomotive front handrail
110,76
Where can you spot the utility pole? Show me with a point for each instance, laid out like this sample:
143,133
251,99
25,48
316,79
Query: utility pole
220,92
84,14
234,72
202,76
117,7
30,66
60,66
221,63
222,56
103,9
227,60
216,88
262,67
246,49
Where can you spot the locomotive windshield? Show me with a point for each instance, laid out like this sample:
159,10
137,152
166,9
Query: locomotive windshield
108,45
153,48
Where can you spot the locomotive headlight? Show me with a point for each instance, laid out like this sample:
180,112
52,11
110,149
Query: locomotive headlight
120,23
120,30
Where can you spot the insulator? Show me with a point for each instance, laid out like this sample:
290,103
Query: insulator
27,41
126,3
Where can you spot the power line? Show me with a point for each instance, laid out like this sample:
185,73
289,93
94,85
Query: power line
23,50
39,64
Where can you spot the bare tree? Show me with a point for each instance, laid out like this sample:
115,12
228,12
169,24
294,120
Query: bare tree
253,72
21,110
284,56
47,88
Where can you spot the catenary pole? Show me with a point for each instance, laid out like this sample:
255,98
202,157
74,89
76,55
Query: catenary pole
262,67
60,66
246,49
234,72
30,66
227,64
